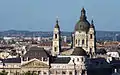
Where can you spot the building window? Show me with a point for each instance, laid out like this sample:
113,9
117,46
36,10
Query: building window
52,72
90,50
55,49
81,59
90,36
76,41
70,73
55,36
87,42
83,41
58,72
39,72
44,59
63,72
77,59
44,73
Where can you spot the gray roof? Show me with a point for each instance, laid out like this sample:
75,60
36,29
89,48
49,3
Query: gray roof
61,60
98,62
11,60
36,52
115,63
79,51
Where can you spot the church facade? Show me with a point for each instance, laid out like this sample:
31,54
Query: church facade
84,34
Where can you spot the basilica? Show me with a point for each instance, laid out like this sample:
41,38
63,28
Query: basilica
80,59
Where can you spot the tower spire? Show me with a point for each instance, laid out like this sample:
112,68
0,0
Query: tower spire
56,40
83,14
92,24
83,11
57,25
57,20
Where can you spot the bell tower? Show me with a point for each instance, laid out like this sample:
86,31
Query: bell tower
92,38
56,48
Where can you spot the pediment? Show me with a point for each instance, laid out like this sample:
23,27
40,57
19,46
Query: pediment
35,64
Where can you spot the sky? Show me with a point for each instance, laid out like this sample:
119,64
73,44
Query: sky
40,15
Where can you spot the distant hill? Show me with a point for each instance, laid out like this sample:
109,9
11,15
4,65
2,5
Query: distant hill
100,35
31,33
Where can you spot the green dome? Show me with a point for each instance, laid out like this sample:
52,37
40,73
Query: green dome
82,24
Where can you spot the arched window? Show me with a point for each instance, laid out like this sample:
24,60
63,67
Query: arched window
70,73
83,41
91,36
55,36
63,72
76,41
82,59
90,50
77,59
87,42
44,73
55,49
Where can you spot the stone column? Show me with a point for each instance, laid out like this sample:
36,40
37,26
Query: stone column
42,73
8,73
42,58
73,72
55,72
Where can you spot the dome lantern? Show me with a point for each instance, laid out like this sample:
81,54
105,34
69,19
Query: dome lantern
92,24
57,25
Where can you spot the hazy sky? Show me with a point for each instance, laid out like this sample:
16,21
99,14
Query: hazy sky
40,15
